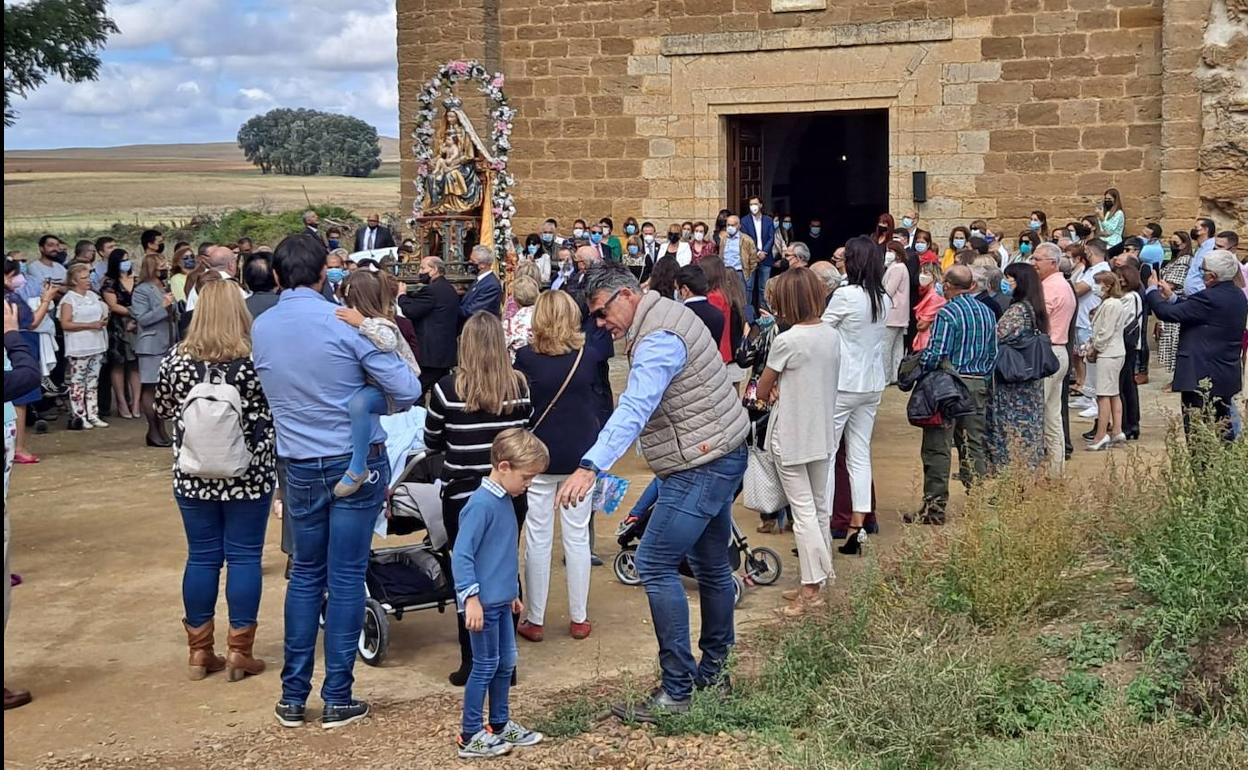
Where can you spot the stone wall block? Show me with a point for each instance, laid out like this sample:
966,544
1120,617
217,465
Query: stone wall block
1064,138
1039,114
1104,137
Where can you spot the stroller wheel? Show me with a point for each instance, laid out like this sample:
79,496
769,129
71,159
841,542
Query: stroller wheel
626,567
762,566
738,590
375,635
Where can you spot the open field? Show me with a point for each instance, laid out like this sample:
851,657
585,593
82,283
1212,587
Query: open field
79,189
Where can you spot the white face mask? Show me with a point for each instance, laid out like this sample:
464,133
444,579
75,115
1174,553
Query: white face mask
578,232
606,231
925,279
889,258
755,208
976,234
648,238
731,229
698,235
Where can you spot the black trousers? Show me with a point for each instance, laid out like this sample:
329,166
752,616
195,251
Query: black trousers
1130,393
429,376
1195,401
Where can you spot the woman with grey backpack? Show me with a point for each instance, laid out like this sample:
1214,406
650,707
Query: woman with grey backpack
223,474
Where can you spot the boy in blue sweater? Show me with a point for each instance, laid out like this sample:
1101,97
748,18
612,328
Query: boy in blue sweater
486,565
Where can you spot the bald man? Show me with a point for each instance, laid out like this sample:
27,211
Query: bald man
221,260
965,335
374,235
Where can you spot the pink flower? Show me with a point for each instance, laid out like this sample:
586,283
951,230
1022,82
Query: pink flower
497,82
458,67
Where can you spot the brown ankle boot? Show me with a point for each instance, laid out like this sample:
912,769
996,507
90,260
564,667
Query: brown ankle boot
239,663
203,661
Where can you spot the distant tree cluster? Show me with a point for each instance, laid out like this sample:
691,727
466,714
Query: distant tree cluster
307,142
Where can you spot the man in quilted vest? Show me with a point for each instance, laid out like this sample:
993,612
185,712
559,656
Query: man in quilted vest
691,426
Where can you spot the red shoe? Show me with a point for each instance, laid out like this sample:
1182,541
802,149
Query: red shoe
580,630
530,631
24,458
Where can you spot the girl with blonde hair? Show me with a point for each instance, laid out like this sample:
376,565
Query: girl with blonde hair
468,408
224,518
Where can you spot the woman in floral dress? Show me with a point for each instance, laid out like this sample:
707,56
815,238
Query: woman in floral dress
1016,410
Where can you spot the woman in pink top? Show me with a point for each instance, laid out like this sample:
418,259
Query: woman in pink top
930,303
897,320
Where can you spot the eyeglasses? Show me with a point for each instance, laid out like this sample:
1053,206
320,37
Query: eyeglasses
601,313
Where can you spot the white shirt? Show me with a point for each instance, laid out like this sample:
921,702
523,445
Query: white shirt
862,340
758,232
193,296
370,238
1092,299
87,308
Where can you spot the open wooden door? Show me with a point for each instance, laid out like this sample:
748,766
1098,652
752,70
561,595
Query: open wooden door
745,161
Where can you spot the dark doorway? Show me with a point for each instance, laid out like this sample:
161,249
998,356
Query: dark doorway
827,165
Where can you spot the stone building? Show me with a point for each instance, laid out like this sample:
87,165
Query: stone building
672,109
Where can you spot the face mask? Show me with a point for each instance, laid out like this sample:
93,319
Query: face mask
633,249
787,225
548,237
673,237
336,274
333,243
920,248
59,257
162,275
889,258
1006,288
22,267
686,235
925,279
1024,248
188,263
606,232
17,282
881,227
1034,225
578,232
126,265
532,249
160,249
698,235
630,229
648,238
907,222
990,237
815,230
977,234
1109,204
755,208
473,268
732,229
424,279
1195,235
959,243
595,238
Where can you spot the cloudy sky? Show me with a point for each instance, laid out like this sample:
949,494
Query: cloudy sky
195,70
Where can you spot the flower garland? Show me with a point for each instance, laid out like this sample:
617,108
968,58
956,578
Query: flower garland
502,115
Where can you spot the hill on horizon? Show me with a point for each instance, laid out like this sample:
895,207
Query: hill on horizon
147,157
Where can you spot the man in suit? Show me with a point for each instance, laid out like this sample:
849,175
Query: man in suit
691,285
486,293
738,250
598,242
820,245
434,310
335,274
1211,333
762,230
312,225
373,236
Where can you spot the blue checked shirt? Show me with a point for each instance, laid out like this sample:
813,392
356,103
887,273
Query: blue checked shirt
965,333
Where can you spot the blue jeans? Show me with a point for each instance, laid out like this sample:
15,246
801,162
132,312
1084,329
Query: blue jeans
493,660
363,405
331,537
692,521
223,532
758,283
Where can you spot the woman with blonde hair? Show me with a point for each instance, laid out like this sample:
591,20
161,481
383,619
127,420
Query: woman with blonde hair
84,319
1108,352
468,408
224,518
524,292
155,312
561,371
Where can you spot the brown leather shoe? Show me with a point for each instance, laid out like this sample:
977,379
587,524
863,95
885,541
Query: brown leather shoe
768,527
15,698
238,662
203,660
530,631
580,630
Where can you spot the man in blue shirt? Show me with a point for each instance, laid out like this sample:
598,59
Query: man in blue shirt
311,364
1202,234
965,335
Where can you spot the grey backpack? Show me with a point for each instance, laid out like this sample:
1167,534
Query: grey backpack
213,441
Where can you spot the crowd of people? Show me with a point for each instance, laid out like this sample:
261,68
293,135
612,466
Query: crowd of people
741,333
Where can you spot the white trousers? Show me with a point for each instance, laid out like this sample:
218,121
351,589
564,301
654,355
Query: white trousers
539,533
854,419
1054,436
806,485
894,351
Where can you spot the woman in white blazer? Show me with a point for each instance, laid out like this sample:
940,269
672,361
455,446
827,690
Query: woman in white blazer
859,311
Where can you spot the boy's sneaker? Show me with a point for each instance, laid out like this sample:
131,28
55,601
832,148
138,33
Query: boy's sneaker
290,714
341,716
518,735
482,746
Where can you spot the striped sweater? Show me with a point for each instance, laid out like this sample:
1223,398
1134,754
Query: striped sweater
466,437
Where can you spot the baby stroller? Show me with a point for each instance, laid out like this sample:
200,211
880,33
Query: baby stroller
761,566
407,578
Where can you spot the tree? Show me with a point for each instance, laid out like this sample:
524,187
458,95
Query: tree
51,37
306,142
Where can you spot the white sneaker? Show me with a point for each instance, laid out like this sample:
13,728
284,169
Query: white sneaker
97,422
1081,402
1091,412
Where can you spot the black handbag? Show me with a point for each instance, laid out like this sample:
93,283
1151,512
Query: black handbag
1026,359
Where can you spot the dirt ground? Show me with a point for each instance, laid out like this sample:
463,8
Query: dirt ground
95,631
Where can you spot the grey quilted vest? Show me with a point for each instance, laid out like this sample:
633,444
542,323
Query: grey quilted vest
700,417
